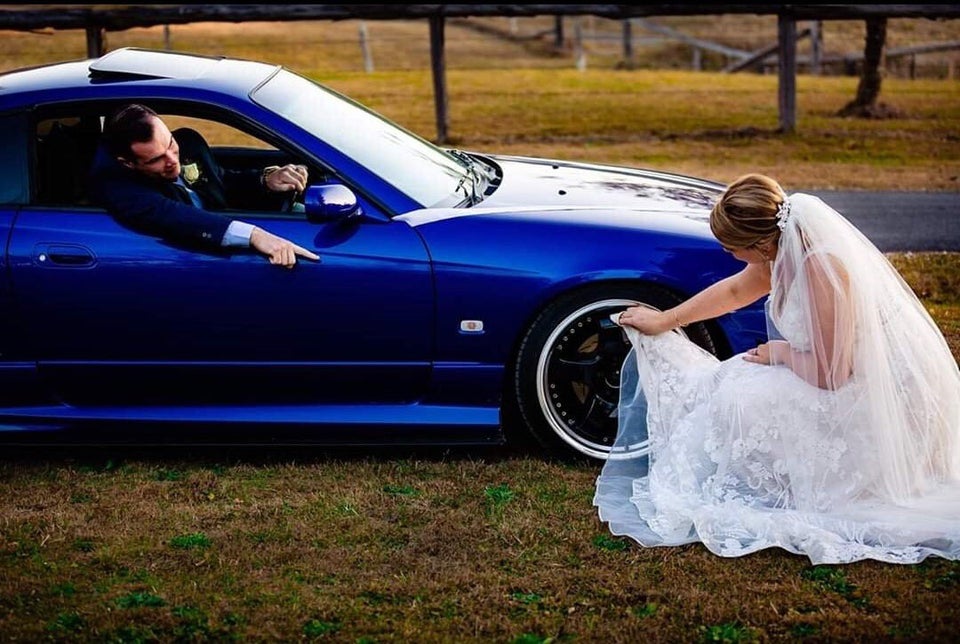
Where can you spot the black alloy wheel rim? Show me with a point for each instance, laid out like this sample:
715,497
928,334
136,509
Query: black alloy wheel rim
578,377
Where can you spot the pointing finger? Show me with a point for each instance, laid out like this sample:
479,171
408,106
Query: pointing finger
303,252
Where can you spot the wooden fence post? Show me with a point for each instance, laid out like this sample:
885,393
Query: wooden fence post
627,43
816,47
439,66
365,48
96,42
787,87
580,54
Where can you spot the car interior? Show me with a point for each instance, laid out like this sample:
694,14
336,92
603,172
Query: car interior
65,149
66,145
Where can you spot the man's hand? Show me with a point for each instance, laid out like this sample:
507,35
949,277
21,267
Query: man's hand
285,178
278,250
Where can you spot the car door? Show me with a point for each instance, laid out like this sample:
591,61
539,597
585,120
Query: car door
114,317
19,380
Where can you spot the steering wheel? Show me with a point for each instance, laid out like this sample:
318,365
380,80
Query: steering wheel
289,201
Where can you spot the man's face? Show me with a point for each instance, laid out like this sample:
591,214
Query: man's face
158,158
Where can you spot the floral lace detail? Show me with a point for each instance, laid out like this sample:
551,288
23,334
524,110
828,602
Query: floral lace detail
728,468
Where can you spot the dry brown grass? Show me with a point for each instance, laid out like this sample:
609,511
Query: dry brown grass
706,124
935,278
518,96
133,546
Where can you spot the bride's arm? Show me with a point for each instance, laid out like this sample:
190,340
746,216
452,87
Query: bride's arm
828,363
729,294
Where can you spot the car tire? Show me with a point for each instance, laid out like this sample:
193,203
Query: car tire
566,378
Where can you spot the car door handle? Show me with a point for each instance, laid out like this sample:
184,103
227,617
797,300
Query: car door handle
64,255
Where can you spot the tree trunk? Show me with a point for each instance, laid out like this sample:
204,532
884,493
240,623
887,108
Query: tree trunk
869,88
865,104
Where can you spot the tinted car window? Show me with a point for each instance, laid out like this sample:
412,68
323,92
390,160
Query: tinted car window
65,149
14,186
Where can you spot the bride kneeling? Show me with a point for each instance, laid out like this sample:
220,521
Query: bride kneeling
838,439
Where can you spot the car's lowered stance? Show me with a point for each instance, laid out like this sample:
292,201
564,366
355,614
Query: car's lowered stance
457,293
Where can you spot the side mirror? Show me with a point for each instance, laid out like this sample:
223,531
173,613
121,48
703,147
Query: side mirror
330,202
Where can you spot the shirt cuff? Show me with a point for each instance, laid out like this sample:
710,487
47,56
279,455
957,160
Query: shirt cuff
238,234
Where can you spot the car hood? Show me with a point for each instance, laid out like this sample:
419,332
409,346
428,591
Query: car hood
549,183
563,189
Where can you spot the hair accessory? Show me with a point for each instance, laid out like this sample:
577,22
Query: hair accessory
783,213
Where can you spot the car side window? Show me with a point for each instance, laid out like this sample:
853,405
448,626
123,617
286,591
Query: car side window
13,159
211,150
65,148
65,144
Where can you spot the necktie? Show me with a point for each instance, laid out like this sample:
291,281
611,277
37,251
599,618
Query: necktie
193,197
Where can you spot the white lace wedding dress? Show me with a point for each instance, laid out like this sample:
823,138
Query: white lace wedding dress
864,464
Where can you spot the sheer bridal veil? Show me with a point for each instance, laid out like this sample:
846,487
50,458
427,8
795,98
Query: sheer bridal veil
852,321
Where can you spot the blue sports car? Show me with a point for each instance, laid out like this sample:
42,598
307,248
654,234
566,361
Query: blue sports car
459,298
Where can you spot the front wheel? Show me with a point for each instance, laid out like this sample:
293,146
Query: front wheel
567,373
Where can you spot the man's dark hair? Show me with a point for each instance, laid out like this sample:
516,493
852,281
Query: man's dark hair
128,125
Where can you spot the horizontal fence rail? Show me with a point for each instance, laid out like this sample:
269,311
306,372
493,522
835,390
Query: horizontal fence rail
119,17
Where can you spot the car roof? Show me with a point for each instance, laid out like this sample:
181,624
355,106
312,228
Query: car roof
147,69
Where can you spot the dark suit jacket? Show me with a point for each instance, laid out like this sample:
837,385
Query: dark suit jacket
160,208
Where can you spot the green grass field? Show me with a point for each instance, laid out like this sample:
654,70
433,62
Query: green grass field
194,545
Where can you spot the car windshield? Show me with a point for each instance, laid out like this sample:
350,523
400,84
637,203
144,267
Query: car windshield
424,172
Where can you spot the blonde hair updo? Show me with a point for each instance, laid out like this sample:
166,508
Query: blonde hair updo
746,213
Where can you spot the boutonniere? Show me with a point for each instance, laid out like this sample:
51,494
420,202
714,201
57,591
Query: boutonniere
191,173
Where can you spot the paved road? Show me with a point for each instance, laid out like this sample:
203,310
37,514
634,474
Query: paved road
902,221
